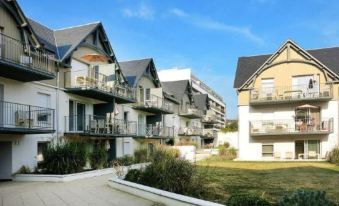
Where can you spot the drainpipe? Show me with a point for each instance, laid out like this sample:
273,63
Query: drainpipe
57,101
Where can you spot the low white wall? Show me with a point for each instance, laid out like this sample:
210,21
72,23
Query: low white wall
75,176
230,137
156,195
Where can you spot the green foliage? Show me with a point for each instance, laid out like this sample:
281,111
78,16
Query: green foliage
333,156
141,155
231,127
24,170
247,200
305,198
125,160
64,158
227,153
133,175
98,158
163,152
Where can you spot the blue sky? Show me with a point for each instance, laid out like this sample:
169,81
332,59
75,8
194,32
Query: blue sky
207,36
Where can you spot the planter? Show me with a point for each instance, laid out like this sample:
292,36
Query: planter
75,176
156,195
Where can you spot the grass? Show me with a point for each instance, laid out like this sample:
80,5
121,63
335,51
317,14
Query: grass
268,179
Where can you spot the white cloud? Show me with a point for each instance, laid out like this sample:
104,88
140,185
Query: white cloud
142,11
207,23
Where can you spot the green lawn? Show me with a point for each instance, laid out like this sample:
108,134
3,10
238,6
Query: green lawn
270,179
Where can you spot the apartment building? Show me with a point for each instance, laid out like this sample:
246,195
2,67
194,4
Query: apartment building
149,109
206,100
288,103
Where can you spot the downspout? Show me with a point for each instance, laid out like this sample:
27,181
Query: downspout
57,101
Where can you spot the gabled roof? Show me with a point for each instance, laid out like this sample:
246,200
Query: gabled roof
177,88
69,38
201,101
248,66
133,70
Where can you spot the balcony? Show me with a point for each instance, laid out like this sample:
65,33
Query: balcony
190,131
291,127
190,113
155,105
209,119
209,133
25,119
23,62
92,84
98,126
291,94
155,131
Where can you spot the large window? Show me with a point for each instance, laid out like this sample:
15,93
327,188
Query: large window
267,87
267,150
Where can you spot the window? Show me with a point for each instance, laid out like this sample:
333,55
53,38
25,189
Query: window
267,87
267,150
148,94
44,113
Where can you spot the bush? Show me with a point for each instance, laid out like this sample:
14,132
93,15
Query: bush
227,153
333,156
64,158
141,155
24,170
133,175
98,158
247,200
125,160
162,152
305,198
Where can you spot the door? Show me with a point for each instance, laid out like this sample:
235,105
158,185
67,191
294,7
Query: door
299,149
141,125
71,117
2,46
141,95
112,150
2,105
80,116
305,86
267,88
5,160
313,149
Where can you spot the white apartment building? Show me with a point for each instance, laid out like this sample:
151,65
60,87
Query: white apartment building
288,103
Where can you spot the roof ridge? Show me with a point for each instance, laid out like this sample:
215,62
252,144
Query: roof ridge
76,26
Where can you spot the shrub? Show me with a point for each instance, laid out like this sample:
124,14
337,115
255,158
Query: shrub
162,152
227,153
64,158
133,175
98,158
24,170
170,174
247,200
125,160
305,198
141,155
333,156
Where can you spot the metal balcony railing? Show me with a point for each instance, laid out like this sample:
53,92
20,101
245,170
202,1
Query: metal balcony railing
157,103
90,79
209,118
15,52
190,112
291,93
155,131
298,126
190,131
15,116
99,125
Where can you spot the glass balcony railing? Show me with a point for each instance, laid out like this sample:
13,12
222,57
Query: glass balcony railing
93,84
24,61
155,104
288,127
155,131
190,131
190,112
291,93
22,118
95,125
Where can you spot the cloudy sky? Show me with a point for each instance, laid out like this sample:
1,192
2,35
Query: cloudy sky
207,36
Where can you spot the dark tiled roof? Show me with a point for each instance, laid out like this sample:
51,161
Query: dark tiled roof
247,66
171,97
176,88
201,101
68,39
134,69
45,35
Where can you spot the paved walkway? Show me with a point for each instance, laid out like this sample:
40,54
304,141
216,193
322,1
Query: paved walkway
92,191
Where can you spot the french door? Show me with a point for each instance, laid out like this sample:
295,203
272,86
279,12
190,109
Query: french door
77,115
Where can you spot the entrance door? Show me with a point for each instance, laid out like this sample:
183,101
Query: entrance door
5,160
112,150
80,117
141,125
313,149
299,149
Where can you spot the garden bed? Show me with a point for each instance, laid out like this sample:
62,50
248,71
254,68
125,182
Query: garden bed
72,177
156,195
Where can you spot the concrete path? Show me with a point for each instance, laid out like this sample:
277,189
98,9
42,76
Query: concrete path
92,191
